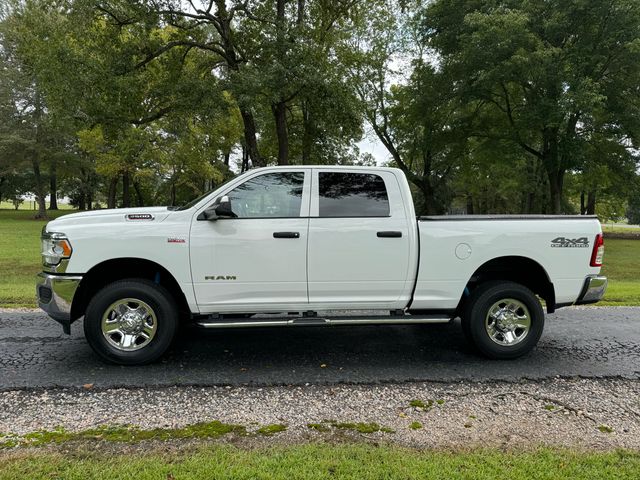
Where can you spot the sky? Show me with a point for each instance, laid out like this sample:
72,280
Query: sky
371,144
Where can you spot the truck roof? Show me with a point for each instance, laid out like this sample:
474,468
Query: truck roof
328,167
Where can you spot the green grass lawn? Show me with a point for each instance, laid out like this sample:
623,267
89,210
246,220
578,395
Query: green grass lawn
20,255
317,461
622,266
20,261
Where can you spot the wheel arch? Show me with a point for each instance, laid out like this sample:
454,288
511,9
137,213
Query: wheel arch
115,269
518,269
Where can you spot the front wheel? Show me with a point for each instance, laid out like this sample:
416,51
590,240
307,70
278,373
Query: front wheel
503,319
131,322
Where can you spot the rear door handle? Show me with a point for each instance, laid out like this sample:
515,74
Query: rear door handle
389,234
286,235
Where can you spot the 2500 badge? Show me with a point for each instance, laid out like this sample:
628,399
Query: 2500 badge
563,242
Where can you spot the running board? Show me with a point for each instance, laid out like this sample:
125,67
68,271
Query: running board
220,322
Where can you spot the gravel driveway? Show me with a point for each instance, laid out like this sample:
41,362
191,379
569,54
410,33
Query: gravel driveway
595,414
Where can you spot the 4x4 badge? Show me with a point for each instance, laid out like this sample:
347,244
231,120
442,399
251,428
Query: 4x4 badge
582,242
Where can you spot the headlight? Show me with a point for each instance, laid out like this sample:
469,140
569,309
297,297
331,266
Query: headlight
55,247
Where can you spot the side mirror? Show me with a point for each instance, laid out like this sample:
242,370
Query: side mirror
221,209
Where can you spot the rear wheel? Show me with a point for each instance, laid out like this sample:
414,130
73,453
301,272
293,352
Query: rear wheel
503,319
131,322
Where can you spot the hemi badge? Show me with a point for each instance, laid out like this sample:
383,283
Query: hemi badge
139,216
176,240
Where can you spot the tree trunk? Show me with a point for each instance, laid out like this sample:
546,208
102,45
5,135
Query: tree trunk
245,160
431,206
39,184
279,108
113,191
280,115
553,164
306,135
556,183
82,203
583,207
591,202
532,185
280,24
40,190
139,197
53,185
87,187
126,194
224,27
227,155
250,138
42,207
173,194
541,202
528,203
469,205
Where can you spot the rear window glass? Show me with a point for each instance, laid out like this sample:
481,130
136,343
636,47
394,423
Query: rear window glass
352,195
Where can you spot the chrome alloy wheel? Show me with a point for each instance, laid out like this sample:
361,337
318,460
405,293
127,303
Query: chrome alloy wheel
508,322
129,324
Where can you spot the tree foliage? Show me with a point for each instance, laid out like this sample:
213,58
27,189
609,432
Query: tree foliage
505,106
556,79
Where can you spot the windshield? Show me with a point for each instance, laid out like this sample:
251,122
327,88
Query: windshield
193,202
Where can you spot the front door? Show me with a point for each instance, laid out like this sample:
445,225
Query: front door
257,261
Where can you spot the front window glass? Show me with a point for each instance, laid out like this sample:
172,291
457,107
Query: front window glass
271,195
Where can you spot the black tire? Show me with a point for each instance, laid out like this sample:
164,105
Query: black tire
156,297
477,308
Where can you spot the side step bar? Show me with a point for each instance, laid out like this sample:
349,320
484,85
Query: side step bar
307,321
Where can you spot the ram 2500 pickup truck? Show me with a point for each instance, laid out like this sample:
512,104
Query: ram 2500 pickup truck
288,246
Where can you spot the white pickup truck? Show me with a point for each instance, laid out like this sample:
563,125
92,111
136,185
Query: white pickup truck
289,246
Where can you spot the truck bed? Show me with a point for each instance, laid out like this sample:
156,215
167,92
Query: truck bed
454,248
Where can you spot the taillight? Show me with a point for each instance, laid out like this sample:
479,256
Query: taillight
598,251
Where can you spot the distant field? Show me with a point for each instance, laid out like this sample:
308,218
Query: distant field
620,229
20,261
29,205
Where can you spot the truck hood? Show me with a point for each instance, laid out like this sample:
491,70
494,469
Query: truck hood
110,216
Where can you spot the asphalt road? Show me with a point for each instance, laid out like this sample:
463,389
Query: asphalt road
584,342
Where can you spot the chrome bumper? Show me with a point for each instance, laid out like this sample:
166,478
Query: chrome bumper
593,290
55,293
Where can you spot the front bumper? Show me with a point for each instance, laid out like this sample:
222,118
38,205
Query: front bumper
55,295
593,290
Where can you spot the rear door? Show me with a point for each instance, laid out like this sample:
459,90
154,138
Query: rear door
359,242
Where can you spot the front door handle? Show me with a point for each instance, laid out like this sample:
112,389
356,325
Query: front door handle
286,235
389,234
